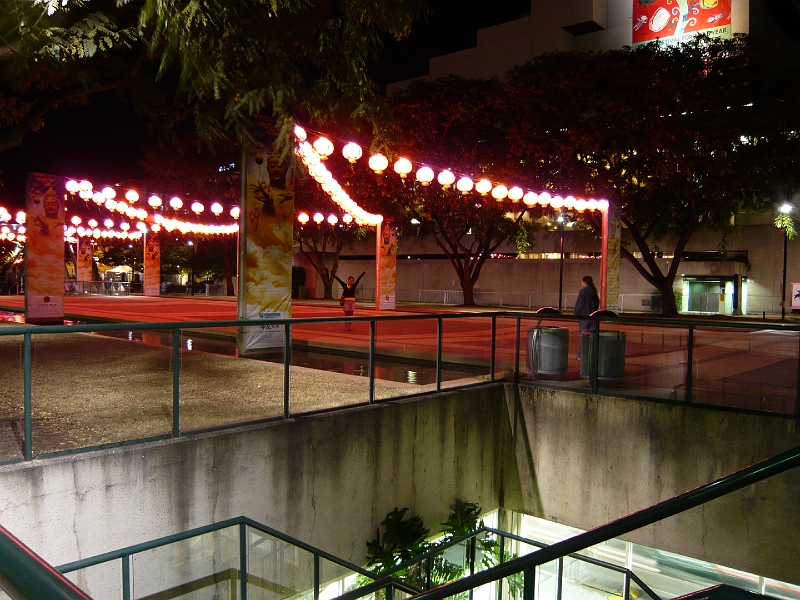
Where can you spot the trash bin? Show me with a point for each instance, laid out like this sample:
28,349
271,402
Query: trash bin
548,350
611,364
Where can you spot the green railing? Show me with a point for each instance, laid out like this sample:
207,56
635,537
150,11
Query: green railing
526,566
749,366
239,557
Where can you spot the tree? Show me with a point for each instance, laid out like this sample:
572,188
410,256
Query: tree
680,138
53,53
452,124
321,243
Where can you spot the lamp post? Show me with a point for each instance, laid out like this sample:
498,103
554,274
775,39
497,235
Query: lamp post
785,222
561,220
191,269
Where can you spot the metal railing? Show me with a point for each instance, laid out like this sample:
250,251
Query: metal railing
738,365
97,288
527,565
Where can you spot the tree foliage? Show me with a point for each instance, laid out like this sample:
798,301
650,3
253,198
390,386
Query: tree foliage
680,138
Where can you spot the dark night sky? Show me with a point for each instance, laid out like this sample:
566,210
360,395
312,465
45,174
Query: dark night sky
103,140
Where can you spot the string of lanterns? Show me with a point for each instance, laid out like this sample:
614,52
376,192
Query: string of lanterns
313,155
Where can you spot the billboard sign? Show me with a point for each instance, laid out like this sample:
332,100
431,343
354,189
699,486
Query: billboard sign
673,21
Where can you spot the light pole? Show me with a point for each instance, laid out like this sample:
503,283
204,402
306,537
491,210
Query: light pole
191,269
560,220
785,222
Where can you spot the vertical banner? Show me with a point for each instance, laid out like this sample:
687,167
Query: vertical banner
267,254
84,269
152,265
44,258
386,263
610,261
673,21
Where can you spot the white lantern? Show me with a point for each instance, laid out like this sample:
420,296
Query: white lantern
217,209
602,205
176,203
483,187
515,194
464,185
197,208
529,199
425,175
446,178
591,204
76,220
154,201
85,186
235,212
300,133
352,152
98,198
109,192
324,147
303,218
569,202
378,163
318,218
73,187
580,205
557,202
347,218
544,198
499,192
333,219
403,167
131,196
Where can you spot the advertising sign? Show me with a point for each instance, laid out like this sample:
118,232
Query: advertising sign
673,21
387,265
795,302
44,293
152,265
267,268
84,269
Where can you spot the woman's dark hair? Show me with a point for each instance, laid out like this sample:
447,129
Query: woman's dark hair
587,279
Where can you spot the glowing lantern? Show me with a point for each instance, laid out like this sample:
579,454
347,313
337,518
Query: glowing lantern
98,198
544,198
499,192
425,175
131,196
529,199
557,202
352,152
300,133
109,192
318,218
347,218
515,194
569,202
483,187
130,212
324,147
141,226
92,223
141,214
591,204
176,203
602,205
378,163
217,209
111,204
197,208
85,194
235,212
73,187
333,219
403,167
108,223
20,218
154,201
446,178
464,185
124,226
76,220
122,207
303,218
155,227
85,186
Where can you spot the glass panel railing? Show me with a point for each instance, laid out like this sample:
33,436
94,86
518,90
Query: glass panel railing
203,566
320,350
743,368
777,589
90,389
590,580
277,569
336,579
466,351
103,580
12,416
405,357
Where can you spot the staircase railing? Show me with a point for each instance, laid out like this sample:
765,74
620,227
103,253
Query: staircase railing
614,529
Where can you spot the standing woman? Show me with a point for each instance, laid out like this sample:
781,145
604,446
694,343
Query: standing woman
348,299
588,301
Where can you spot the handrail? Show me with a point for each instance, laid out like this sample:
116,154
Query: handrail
25,575
677,504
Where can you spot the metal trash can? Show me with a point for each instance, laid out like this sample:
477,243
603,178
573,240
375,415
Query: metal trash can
548,350
611,364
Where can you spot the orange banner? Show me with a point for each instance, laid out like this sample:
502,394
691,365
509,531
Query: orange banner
385,290
269,207
44,250
152,265
673,21
84,270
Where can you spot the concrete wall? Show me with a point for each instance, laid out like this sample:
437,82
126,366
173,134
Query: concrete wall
585,460
327,480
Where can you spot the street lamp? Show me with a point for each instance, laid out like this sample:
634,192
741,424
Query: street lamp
561,220
785,222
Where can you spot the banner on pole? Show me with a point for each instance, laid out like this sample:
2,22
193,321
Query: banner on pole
269,209
44,250
83,272
613,250
385,290
152,265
